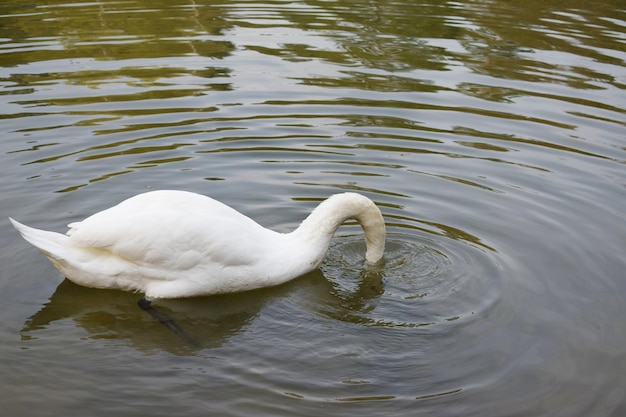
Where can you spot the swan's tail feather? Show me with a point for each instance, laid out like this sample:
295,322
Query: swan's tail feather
89,267
52,244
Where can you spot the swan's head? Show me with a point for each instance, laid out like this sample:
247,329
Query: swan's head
373,224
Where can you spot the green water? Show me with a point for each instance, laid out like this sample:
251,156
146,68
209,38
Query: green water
491,134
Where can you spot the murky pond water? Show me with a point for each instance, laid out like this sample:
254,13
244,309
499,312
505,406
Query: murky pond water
491,134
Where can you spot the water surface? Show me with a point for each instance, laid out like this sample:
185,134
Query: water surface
490,134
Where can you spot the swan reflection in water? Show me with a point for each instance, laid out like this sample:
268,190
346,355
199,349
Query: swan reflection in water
205,322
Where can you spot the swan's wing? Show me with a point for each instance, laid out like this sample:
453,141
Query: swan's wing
173,240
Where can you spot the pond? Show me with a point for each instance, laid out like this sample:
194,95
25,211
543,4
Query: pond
491,134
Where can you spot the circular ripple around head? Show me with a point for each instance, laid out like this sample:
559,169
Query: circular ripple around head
419,284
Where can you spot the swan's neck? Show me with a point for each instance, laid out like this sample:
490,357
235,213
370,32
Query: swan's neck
317,229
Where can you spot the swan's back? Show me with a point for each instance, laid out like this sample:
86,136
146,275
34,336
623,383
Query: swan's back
154,215
182,201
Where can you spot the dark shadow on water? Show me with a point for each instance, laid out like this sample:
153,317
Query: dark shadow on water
108,314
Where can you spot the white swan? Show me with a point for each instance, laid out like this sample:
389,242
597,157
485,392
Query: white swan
170,244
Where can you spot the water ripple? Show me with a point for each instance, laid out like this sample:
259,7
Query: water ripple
432,282
490,134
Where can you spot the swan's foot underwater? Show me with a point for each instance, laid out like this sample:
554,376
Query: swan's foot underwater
166,320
